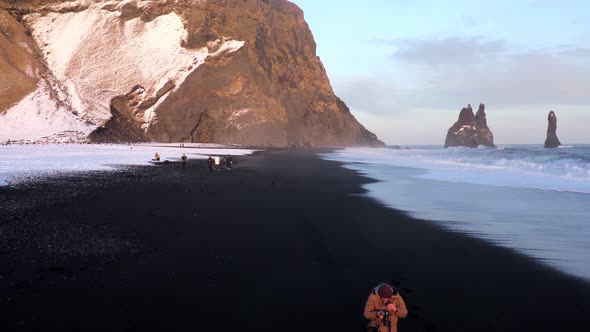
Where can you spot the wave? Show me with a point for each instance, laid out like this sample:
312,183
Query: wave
474,194
512,166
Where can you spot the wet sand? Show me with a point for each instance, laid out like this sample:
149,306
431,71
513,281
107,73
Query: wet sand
284,242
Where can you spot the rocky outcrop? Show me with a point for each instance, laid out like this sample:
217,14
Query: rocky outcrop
242,72
20,70
552,141
471,130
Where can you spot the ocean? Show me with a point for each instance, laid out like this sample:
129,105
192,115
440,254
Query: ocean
533,200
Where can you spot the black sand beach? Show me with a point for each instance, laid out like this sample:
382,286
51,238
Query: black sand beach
284,242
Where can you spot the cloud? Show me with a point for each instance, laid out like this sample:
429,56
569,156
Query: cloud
452,72
370,94
579,52
451,50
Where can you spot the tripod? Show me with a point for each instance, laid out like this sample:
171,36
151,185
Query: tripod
387,321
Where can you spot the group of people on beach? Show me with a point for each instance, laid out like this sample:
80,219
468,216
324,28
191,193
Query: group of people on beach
217,161
212,163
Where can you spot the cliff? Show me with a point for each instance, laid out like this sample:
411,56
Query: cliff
470,130
225,71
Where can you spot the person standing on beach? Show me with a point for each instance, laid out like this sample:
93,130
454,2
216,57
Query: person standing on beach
228,162
210,163
383,309
217,162
183,160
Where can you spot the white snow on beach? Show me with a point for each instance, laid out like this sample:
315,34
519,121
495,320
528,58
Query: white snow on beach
26,162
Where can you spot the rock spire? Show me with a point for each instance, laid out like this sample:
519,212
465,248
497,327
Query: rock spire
552,141
470,130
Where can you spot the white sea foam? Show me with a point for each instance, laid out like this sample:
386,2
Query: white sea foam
526,167
493,194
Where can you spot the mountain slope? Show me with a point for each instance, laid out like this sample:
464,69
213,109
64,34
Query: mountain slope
243,72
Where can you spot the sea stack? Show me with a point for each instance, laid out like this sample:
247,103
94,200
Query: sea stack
471,130
552,141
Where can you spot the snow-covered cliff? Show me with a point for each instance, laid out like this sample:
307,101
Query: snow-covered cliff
168,70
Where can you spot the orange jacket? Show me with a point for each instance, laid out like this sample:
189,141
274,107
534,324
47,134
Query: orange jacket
374,305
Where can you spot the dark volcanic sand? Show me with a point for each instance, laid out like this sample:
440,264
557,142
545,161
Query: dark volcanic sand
282,243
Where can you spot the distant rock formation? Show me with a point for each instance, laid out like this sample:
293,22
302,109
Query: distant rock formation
470,130
552,141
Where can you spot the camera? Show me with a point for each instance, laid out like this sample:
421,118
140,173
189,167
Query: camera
386,317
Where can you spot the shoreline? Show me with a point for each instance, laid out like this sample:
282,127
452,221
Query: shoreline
503,216
284,240
464,196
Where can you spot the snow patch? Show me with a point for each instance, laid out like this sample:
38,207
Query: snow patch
36,116
96,57
239,113
235,121
28,162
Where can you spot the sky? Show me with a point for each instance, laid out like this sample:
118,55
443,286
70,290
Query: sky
406,68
